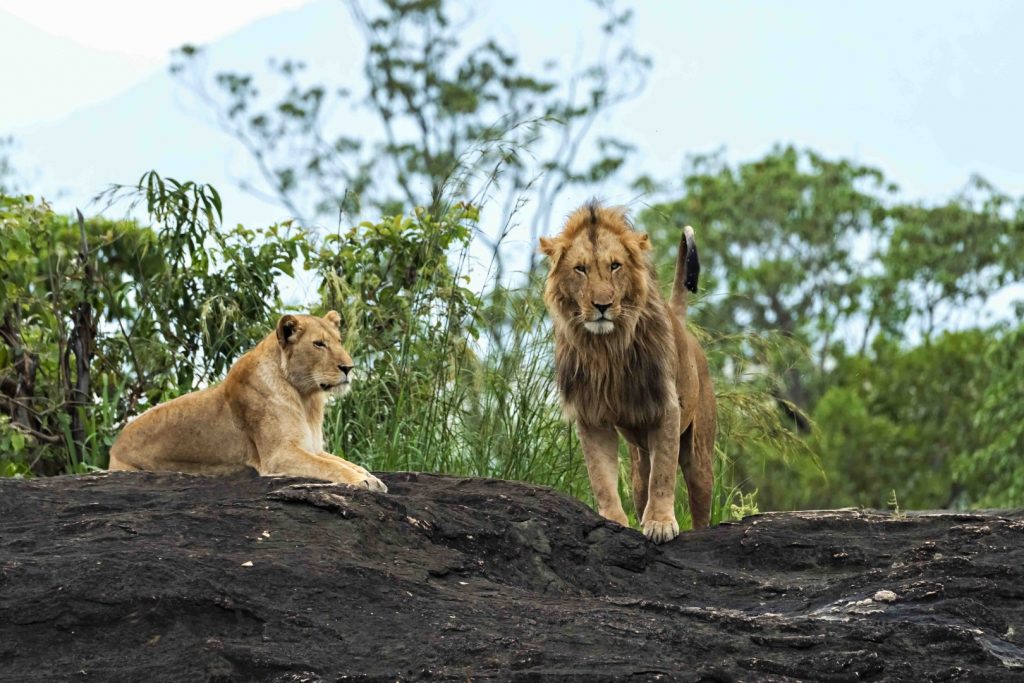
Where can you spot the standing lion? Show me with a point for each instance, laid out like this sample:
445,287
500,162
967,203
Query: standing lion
626,364
267,414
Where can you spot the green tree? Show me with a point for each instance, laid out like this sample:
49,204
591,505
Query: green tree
820,282
945,259
899,418
992,473
778,239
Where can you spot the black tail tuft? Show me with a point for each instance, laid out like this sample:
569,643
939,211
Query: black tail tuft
692,263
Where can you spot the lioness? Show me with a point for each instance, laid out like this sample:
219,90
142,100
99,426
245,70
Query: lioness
267,414
625,361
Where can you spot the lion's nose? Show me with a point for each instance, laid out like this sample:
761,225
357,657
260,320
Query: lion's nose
601,308
345,368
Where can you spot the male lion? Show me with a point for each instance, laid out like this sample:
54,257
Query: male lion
267,414
625,361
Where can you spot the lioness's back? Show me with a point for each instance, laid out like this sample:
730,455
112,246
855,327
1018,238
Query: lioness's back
192,433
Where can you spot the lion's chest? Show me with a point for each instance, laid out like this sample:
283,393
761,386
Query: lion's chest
630,392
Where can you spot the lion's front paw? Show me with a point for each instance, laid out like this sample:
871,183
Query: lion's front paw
373,483
619,517
661,531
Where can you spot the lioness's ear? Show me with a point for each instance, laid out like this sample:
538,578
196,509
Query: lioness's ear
333,318
552,248
288,329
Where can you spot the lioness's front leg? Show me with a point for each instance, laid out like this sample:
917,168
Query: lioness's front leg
371,482
601,453
659,520
293,461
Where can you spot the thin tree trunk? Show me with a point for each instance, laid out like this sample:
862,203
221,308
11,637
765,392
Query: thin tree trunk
82,344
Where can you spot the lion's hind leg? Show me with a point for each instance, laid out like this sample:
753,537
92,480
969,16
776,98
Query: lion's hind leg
116,464
695,459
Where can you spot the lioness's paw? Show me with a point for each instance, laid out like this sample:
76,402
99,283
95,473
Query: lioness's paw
362,470
373,483
660,532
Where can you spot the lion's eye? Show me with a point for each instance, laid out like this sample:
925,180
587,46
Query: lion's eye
580,269
319,345
615,266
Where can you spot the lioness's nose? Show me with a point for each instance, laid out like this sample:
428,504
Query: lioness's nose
345,368
601,308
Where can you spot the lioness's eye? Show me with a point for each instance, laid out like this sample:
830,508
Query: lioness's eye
320,345
580,269
616,265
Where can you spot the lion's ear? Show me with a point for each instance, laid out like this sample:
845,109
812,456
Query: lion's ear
288,329
638,243
552,248
333,318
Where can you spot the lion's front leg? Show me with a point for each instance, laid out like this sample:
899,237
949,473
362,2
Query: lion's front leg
659,522
601,453
640,471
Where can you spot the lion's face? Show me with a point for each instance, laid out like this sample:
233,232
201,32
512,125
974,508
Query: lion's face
598,271
314,358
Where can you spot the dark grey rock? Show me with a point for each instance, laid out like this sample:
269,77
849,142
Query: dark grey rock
145,577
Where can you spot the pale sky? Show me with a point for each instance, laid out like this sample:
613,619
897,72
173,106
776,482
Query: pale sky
142,31
68,54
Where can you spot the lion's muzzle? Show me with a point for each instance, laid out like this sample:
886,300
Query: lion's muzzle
600,326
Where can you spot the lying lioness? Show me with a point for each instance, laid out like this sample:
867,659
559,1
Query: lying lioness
626,362
267,414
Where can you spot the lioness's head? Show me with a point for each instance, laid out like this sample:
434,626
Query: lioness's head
313,358
599,271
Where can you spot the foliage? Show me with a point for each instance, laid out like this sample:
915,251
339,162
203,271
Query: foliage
49,293
410,318
898,419
825,279
992,472
778,236
948,259
211,291
102,318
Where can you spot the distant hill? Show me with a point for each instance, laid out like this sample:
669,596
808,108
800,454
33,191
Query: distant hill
73,75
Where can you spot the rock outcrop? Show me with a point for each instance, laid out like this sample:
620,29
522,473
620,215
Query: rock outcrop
145,577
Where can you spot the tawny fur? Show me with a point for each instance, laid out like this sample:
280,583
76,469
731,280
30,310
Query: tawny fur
267,414
637,371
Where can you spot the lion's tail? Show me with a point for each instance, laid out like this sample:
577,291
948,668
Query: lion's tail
687,271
